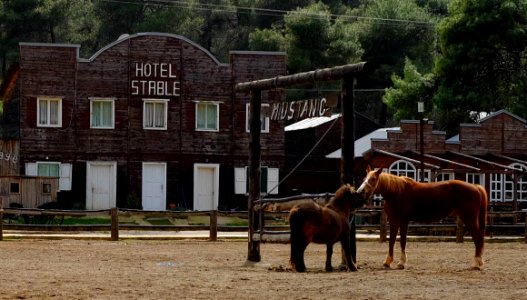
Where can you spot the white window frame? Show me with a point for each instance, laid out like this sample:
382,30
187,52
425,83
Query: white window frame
44,100
101,100
444,176
165,113
502,189
470,178
217,116
65,174
241,180
264,118
409,168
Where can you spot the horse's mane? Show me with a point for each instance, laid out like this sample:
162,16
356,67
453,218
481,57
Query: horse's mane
392,183
341,195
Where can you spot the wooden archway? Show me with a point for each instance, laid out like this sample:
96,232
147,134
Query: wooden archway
346,73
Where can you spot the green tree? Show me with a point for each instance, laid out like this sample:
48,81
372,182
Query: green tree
482,63
391,30
402,98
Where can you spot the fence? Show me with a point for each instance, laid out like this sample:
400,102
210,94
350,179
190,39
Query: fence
370,221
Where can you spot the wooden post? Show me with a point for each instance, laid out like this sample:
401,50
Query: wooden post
460,230
347,141
525,236
254,172
115,224
213,235
383,224
1,218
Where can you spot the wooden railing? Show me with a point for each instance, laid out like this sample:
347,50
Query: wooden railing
372,221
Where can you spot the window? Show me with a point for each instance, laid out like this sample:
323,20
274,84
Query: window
49,112
402,168
52,169
444,176
502,186
48,169
207,116
476,178
14,188
268,180
102,113
46,188
264,120
155,114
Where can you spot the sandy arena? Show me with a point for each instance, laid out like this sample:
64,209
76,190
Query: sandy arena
190,269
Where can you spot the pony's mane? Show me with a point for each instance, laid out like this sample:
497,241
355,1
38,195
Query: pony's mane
393,183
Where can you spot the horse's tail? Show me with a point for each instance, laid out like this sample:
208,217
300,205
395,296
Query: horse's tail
484,202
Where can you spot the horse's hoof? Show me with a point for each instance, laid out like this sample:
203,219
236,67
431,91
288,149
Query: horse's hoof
400,267
386,266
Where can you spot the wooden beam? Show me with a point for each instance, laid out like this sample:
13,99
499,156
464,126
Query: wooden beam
405,158
326,74
450,161
485,161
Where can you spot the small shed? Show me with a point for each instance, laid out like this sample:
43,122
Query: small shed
30,192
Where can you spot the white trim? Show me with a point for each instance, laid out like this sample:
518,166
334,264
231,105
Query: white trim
59,117
112,184
265,117
216,182
163,184
153,100
217,104
102,99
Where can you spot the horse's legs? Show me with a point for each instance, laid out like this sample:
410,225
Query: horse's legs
478,237
404,230
297,255
329,253
346,253
394,227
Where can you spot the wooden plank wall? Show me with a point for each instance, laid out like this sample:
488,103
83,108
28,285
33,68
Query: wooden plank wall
30,193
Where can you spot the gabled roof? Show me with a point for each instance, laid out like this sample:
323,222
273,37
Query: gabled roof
499,112
363,144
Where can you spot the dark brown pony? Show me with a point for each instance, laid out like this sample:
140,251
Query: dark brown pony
323,224
407,200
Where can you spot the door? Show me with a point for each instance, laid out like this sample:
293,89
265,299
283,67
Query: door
154,186
101,179
206,186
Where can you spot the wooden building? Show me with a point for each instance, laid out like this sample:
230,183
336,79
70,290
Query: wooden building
308,142
492,152
151,120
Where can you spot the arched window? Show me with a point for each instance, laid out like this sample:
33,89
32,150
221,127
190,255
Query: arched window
403,168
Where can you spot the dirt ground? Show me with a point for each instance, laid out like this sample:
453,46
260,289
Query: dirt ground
190,269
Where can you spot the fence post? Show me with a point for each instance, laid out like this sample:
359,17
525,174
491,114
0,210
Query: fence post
1,218
213,235
383,225
460,230
115,223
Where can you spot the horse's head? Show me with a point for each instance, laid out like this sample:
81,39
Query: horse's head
370,183
347,194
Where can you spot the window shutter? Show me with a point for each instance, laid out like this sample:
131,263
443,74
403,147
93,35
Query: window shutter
31,169
240,179
272,180
65,177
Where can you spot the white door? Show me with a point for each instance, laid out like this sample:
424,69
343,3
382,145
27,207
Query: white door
101,179
154,186
206,186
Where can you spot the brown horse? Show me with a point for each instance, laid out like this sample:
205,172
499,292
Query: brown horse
407,200
328,224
